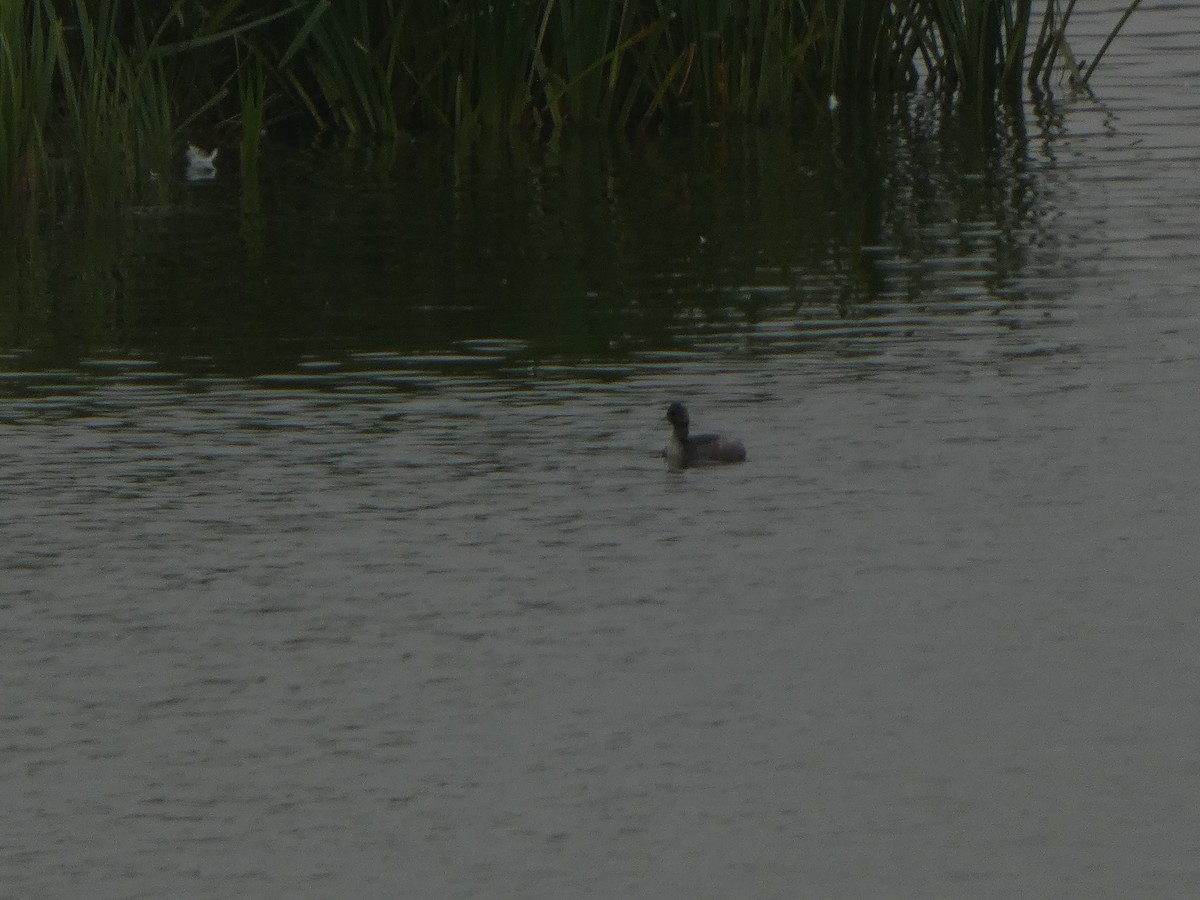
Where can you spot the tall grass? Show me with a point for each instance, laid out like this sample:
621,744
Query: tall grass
379,66
252,94
104,86
115,86
28,60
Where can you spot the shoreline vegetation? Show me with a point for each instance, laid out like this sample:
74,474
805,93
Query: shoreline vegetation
98,96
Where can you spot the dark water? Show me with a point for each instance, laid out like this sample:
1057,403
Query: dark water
337,559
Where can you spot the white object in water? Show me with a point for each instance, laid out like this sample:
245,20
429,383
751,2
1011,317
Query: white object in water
201,166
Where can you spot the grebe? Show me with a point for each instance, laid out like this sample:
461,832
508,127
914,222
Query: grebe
683,452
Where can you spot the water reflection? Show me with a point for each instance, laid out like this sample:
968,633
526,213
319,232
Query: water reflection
853,235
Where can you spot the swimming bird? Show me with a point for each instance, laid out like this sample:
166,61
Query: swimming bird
683,451
201,166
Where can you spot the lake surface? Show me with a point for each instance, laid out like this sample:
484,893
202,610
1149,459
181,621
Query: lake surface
337,558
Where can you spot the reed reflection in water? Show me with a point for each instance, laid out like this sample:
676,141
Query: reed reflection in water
586,252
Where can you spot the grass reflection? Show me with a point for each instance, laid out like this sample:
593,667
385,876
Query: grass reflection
585,249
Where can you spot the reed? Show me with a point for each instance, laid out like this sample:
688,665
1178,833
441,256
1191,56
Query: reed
252,94
113,86
98,76
28,59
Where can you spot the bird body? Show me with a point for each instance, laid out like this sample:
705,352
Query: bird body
201,166
684,451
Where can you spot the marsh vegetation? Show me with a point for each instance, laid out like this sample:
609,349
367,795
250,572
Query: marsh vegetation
98,95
